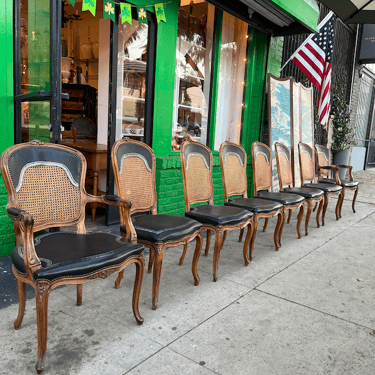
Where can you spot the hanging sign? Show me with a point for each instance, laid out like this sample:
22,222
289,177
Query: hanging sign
126,13
89,5
109,10
142,17
72,2
160,14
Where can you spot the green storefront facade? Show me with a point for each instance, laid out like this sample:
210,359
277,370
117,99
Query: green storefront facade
263,53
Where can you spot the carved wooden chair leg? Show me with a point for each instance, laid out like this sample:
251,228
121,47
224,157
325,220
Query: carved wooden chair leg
247,244
278,229
319,211
282,227
337,209
79,295
354,199
21,289
289,216
342,201
241,234
118,280
308,214
197,253
208,241
325,205
42,294
219,234
159,248
315,207
140,270
183,254
265,224
151,259
300,217
252,242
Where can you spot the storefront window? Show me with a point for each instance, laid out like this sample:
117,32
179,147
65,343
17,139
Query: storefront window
193,71
231,80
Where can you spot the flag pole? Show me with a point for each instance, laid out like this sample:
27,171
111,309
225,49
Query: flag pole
307,39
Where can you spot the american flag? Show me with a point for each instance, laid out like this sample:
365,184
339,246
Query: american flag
314,59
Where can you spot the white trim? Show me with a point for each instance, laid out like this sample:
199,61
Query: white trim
286,155
123,157
310,156
233,153
47,163
196,154
262,153
325,156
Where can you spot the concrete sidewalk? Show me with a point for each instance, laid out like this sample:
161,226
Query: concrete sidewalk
306,309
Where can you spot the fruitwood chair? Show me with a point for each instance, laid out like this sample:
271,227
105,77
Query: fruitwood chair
134,169
322,154
70,134
196,162
307,170
233,170
284,170
45,186
262,172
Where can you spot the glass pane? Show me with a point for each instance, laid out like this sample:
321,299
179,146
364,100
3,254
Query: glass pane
231,80
131,84
193,71
35,121
35,46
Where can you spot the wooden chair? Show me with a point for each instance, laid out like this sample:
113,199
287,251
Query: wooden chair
284,170
233,170
322,155
45,186
134,169
196,162
70,134
307,170
262,172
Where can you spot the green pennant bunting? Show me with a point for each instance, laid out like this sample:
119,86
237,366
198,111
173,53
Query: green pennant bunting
109,10
126,13
142,16
73,2
89,5
160,14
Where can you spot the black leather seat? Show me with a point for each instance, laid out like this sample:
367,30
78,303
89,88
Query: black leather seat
283,198
73,255
163,228
219,215
305,192
256,205
326,187
344,183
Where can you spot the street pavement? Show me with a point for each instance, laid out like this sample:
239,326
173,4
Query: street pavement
306,309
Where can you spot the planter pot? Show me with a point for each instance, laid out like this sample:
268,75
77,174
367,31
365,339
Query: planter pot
342,158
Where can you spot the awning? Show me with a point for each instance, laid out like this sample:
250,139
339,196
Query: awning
352,11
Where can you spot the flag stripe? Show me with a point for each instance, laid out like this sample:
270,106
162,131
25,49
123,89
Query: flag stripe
315,71
318,59
305,70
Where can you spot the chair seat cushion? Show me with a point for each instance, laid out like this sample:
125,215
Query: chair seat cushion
64,254
163,228
344,183
255,205
286,199
326,187
219,215
305,192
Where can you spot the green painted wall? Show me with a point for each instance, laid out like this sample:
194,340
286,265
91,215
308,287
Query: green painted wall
7,237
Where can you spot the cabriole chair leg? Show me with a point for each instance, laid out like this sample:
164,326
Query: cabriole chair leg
159,249
208,241
197,253
21,289
140,270
354,199
219,234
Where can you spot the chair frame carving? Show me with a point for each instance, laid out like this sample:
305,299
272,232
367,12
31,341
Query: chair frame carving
157,248
329,167
221,230
243,193
268,187
309,201
25,228
313,180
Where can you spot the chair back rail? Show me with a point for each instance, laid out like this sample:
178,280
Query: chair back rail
306,162
262,167
284,166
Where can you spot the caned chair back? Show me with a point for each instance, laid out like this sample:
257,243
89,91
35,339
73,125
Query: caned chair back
233,170
196,163
47,181
284,165
322,159
262,167
306,162
134,169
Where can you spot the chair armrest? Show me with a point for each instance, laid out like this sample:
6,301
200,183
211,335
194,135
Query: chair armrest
350,170
329,167
24,225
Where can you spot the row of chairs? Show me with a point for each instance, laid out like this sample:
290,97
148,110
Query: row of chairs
45,185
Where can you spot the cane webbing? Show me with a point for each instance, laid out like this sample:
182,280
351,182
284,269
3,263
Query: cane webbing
48,195
136,183
307,167
285,170
198,179
263,172
235,175
322,161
